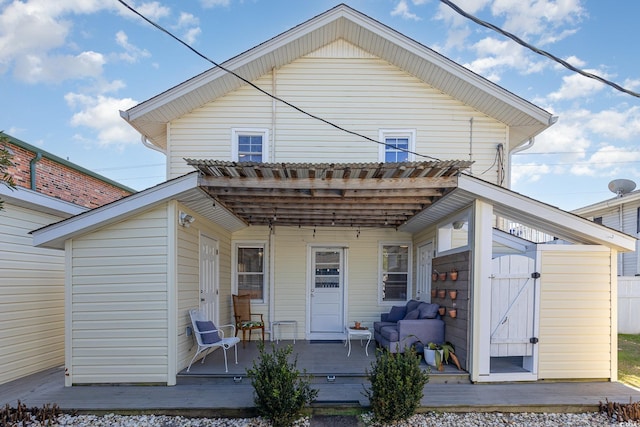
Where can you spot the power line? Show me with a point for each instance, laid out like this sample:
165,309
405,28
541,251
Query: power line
539,51
313,116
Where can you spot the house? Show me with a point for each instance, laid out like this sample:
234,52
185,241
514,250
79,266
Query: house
48,189
326,227
622,213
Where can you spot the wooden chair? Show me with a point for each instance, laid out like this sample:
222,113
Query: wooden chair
244,317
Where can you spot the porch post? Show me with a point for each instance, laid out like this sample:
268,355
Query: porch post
481,290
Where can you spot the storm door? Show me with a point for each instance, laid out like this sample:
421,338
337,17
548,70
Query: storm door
326,296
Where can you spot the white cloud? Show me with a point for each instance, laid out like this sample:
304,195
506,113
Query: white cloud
529,172
54,69
131,53
152,10
577,86
101,115
191,23
402,10
213,3
608,161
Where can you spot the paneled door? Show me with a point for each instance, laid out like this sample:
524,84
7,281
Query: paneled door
425,255
209,277
327,291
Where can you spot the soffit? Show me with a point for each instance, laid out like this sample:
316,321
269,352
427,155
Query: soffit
384,195
524,118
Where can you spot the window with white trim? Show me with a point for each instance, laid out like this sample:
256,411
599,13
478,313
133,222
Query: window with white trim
250,145
394,272
398,145
250,271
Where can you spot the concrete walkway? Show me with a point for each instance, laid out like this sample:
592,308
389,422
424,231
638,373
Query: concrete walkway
233,400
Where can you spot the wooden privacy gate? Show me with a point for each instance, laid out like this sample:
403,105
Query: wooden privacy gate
513,306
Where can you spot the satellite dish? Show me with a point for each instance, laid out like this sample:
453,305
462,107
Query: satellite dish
621,186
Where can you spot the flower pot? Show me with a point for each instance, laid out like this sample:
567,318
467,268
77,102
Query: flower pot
434,277
430,356
442,276
433,293
453,294
441,311
453,275
453,313
442,293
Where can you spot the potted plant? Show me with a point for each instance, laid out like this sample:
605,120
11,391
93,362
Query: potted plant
453,274
433,293
442,293
453,294
442,276
434,275
442,310
453,313
439,354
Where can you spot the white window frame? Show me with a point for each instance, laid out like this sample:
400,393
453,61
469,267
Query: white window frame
445,230
265,266
383,134
381,272
237,132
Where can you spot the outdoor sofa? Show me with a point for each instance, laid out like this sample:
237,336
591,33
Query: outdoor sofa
415,324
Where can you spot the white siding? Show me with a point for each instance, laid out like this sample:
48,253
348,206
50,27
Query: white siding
119,319
188,279
360,93
575,313
31,296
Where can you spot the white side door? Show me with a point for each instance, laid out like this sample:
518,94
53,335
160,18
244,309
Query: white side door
209,277
326,292
425,255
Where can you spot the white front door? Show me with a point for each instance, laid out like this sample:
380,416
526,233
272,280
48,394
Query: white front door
425,255
326,293
209,277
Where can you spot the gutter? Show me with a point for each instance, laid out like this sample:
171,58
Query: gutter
33,169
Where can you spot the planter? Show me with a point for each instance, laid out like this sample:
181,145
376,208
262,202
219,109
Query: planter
442,276
442,293
453,294
441,311
453,275
453,313
433,293
430,356
434,277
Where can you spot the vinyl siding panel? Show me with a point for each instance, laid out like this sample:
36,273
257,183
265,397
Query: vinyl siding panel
188,280
355,91
119,302
575,313
31,296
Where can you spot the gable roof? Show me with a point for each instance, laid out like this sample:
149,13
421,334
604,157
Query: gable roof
525,119
614,202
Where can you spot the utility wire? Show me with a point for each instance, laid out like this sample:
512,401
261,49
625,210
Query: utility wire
313,116
539,51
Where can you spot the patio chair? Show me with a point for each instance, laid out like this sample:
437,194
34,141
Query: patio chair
210,337
244,317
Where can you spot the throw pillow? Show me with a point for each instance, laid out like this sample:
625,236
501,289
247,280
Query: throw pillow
397,313
206,326
428,311
412,315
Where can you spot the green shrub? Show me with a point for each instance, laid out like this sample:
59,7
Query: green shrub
397,383
280,393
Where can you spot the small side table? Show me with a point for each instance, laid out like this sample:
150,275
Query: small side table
362,334
284,322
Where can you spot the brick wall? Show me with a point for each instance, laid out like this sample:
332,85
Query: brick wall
62,181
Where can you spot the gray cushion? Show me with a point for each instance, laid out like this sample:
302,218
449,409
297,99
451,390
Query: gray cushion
397,313
205,326
412,305
428,311
412,315
390,333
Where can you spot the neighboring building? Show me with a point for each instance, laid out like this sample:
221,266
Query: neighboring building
326,227
49,189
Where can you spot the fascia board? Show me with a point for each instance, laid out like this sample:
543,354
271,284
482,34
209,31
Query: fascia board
30,199
607,204
519,203
54,235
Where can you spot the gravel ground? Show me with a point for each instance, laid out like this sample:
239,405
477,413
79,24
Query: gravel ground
430,419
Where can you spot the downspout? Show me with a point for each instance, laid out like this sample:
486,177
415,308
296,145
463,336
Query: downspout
33,169
274,81
471,145
147,144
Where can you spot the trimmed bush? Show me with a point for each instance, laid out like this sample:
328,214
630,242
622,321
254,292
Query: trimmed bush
280,392
397,383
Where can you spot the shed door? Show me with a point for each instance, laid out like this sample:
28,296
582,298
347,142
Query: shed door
209,277
512,306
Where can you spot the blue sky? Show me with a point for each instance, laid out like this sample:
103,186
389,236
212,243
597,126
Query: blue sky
68,66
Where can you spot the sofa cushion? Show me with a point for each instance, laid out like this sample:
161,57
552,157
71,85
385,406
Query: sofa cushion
397,313
428,311
411,315
377,326
390,333
412,305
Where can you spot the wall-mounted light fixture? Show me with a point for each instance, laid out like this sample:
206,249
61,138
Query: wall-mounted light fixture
185,220
457,225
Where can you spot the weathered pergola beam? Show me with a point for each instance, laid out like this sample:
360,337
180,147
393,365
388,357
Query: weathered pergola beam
330,184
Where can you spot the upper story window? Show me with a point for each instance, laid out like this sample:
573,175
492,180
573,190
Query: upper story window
250,145
399,144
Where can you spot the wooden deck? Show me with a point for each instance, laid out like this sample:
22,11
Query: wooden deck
208,391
